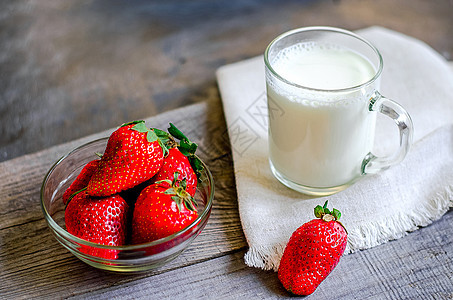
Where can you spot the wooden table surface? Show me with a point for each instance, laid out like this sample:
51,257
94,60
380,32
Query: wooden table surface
72,70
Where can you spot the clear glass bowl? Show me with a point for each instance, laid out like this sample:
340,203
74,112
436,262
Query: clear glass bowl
131,258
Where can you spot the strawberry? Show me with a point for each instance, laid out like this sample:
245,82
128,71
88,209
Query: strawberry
187,148
82,180
98,220
133,155
180,159
312,252
161,211
176,162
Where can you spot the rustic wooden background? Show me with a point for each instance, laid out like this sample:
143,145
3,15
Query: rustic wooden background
69,69
72,68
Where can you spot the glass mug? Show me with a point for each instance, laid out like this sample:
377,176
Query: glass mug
325,82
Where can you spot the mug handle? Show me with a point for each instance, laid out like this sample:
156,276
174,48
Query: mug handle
373,164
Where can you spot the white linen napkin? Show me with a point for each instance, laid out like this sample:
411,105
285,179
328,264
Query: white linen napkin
376,209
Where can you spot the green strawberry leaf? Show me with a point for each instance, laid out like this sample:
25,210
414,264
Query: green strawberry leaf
197,166
324,213
164,147
151,136
184,183
190,204
141,127
170,191
336,213
326,210
178,201
164,137
176,132
180,195
163,180
183,150
188,147
319,211
133,122
175,178
192,147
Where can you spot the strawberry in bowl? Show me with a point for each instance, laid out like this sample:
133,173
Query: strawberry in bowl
90,195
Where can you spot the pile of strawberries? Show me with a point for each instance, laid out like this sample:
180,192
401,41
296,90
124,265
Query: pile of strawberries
141,189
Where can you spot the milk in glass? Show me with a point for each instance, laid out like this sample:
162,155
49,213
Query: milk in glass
322,136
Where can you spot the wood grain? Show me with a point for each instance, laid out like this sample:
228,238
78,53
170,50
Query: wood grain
418,266
73,68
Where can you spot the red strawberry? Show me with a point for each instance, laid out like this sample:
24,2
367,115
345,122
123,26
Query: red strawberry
82,180
161,211
98,220
312,252
181,159
176,162
133,155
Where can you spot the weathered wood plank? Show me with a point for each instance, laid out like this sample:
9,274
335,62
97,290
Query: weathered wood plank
419,266
73,68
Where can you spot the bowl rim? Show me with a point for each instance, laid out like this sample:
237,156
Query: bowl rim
60,230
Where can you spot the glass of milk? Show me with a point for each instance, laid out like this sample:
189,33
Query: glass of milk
325,81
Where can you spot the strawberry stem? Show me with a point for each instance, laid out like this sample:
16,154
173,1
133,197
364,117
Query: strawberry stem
321,211
165,137
325,214
181,196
